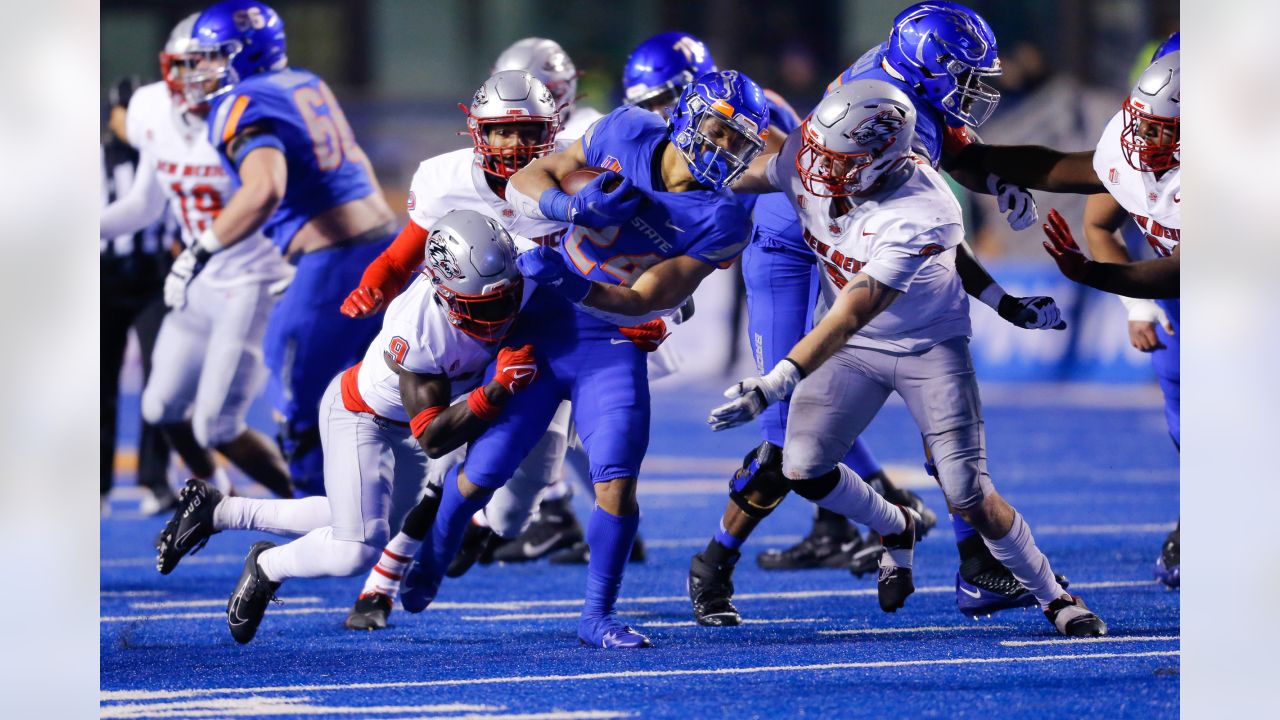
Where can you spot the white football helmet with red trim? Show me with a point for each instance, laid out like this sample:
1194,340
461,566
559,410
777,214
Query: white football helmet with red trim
1150,138
547,61
511,96
180,56
471,261
859,131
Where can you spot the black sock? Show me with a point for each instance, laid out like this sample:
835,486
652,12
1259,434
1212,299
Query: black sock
717,554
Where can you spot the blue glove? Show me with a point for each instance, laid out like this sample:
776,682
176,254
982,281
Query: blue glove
592,206
546,266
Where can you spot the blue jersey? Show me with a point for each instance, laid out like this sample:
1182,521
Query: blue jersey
705,224
299,116
931,124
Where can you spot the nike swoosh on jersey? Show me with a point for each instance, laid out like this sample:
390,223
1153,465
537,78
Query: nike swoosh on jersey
616,341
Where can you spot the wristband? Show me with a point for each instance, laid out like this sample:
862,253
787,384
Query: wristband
419,423
209,242
479,405
992,296
554,204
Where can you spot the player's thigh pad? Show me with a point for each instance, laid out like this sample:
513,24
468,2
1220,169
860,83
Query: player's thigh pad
831,407
359,468
233,371
940,390
611,408
176,362
409,479
493,457
513,504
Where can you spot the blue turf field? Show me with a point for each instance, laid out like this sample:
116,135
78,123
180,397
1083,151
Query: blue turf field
1097,481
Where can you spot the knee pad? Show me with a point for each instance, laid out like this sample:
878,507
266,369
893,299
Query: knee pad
156,412
814,489
758,486
356,558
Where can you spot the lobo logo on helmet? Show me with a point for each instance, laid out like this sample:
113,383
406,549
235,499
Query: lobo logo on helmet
442,260
877,131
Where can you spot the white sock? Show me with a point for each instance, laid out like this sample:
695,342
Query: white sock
290,518
1017,551
854,499
385,577
317,554
556,490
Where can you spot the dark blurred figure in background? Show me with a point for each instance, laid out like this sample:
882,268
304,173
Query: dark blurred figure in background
133,272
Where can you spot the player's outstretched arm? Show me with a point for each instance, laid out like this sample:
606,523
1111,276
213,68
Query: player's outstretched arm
387,275
1034,312
1159,278
1103,216
757,178
858,303
141,206
525,188
440,427
1029,166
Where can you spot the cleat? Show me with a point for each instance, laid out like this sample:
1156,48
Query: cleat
866,558
1073,619
370,612
1168,569
993,590
928,518
478,544
419,585
711,590
610,634
248,603
190,527
580,554
552,528
895,583
826,546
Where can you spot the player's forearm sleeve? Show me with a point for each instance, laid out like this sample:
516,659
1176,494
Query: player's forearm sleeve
142,205
391,270
523,204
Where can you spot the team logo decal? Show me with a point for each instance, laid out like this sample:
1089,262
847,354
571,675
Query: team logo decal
441,259
931,249
508,212
413,201
1177,197
692,50
833,228
1113,176
802,201
877,130
611,163
1151,197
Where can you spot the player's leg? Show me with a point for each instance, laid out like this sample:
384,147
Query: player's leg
153,446
231,378
359,472
830,408
941,392
1167,365
611,411
307,342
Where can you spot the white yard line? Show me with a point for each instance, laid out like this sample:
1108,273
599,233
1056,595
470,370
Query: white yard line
215,602
1091,641
128,695
748,621
922,628
538,616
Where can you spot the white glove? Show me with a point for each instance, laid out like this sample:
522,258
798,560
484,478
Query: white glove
1146,311
751,396
186,266
1013,200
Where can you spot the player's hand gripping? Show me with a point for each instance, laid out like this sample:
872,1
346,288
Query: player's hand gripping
1015,201
1063,248
751,396
1143,316
593,206
1036,312
516,368
185,267
362,302
546,266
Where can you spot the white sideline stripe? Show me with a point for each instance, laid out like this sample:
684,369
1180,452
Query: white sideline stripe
1090,641
649,600
130,593
903,475
1117,529
552,715
922,628
539,616
150,561
254,705
749,621
195,692
168,604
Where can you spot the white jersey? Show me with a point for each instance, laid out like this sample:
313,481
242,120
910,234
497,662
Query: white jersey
453,181
1153,204
905,239
185,168
580,119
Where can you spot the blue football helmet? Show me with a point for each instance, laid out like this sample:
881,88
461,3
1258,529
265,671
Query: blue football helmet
719,124
238,39
658,70
944,50
1170,45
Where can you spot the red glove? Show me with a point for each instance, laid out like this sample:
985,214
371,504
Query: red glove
1064,249
517,368
647,335
362,302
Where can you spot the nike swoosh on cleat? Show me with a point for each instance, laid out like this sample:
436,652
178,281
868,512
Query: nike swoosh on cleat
182,539
616,341
534,550
976,595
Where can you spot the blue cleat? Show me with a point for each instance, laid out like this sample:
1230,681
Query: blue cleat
1168,565
608,633
993,590
419,586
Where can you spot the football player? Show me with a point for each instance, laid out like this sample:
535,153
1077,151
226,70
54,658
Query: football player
304,182
552,66
381,419
207,363
885,228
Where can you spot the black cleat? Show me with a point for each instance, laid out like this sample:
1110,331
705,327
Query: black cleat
553,527
370,612
711,590
865,558
984,586
1168,569
478,544
895,583
928,518
1073,619
580,554
248,603
827,545
190,527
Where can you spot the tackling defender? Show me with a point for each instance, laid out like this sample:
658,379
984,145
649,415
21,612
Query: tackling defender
885,227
